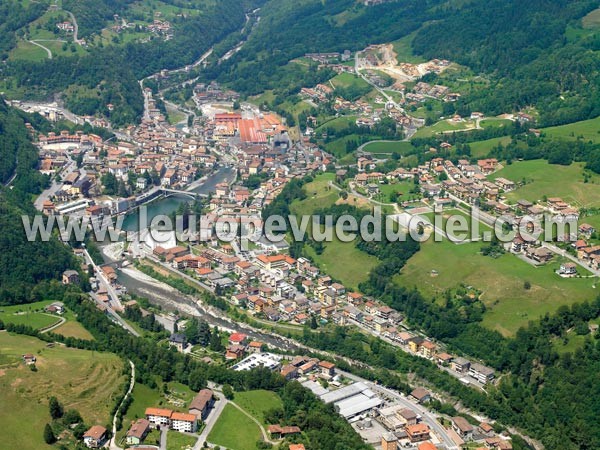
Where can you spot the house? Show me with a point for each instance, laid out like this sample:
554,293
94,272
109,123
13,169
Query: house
138,432
460,365
289,372
279,432
486,429
462,427
70,277
569,268
408,416
238,339
427,349
255,347
418,432
178,341
327,368
586,229
443,359
95,437
201,404
29,359
421,395
540,254
183,422
297,447
158,416
235,352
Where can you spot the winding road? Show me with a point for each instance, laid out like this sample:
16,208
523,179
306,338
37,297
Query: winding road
42,47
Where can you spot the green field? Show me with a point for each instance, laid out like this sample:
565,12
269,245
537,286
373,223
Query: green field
401,147
31,314
551,180
338,123
179,441
501,280
84,380
235,430
404,51
344,262
28,52
493,122
444,126
588,130
404,188
481,149
256,403
319,195
346,79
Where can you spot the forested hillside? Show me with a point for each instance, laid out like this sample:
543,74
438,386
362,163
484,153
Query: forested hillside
110,74
525,44
528,49
23,264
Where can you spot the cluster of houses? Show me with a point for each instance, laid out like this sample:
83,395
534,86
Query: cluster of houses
155,418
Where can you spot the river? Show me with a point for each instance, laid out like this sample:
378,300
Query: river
168,205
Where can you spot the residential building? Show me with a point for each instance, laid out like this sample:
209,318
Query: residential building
183,422
389,441
95,437
462,427
159,416
201,404
137,432
481,373
418,432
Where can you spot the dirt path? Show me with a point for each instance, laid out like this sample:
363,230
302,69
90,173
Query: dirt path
41,46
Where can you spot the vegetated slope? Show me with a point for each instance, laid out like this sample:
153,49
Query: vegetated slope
525,45
289,29
23,264
110,74
14,15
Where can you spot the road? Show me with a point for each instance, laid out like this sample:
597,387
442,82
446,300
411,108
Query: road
41,46
54,186
212,418
75,27
112,293
113,444
55,326
427,416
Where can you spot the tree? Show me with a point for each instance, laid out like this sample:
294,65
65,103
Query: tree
313,323
526,285
49,437
228,392
215,341
56,409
